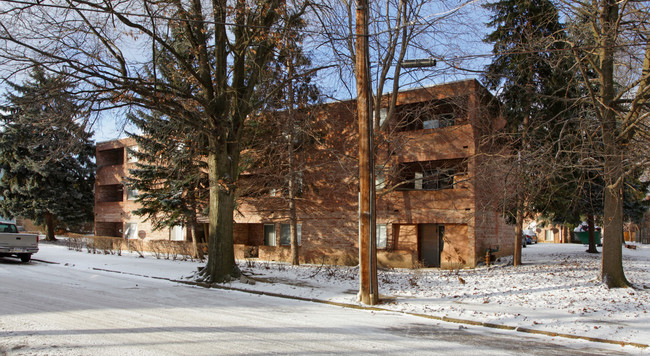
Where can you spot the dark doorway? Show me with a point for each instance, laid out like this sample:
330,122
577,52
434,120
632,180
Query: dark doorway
430,243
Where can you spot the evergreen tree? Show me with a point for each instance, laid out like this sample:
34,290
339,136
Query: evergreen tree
171,172
529,76
170,175
45,155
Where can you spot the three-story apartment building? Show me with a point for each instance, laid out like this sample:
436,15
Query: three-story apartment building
435,201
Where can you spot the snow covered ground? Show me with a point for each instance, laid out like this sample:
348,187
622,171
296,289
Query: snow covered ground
556,290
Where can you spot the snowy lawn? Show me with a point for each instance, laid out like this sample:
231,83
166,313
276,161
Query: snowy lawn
557,289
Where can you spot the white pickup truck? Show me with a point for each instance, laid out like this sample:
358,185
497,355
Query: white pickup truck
14,244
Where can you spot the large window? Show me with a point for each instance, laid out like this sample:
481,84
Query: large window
285,234
432,175
269,235
428,115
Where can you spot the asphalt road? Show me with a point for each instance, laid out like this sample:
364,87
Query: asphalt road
50,309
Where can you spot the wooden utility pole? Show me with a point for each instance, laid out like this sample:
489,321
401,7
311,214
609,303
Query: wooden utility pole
368,291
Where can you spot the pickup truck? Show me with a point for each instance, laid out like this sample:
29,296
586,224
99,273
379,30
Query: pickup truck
14,244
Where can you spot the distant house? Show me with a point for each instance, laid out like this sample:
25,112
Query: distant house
431,209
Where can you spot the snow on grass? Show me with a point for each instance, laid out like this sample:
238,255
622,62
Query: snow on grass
557,289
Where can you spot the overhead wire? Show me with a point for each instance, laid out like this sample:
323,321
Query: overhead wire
41,3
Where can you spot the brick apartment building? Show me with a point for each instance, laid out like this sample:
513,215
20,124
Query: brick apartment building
435,208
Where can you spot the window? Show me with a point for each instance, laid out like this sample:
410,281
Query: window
131,154
433,175
417,180
548,235
177,233
436,179
380,178
429,115
380,237
285,234
383,113
11,228
269,235
131,194
441,120
131,230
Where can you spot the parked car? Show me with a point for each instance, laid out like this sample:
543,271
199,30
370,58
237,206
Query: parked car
530,237
13,243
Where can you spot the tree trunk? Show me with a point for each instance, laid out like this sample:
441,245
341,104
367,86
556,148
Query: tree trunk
49,224
518,235
592,234
612,265
295,255
191,236
221,266
295,248
291,129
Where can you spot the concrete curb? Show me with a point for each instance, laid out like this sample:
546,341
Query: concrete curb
371,308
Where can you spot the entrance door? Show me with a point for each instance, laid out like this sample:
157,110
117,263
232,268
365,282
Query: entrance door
429,236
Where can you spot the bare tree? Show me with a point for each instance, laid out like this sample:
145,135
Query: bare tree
615,71
112,48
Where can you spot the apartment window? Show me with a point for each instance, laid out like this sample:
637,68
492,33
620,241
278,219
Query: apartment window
442,120
418,178
177,233
131,230
380,178
437,179
285,234
131,194
383,114
428,115
269,235
432,175
131,154
380,236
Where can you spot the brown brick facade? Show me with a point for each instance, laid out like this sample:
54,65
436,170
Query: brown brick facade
432,209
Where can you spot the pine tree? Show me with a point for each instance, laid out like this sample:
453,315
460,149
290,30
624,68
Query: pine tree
170,175
46,155
528,75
